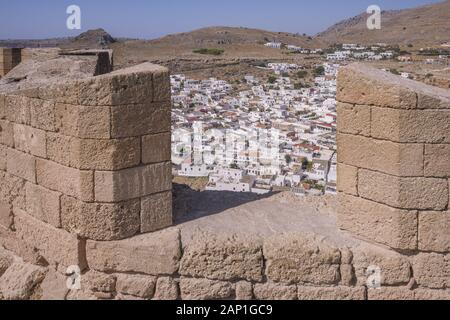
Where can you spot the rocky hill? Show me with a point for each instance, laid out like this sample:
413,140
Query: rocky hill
421,26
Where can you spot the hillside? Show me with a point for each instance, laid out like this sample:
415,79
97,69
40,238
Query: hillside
421,26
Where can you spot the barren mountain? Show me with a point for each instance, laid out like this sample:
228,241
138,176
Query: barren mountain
421,26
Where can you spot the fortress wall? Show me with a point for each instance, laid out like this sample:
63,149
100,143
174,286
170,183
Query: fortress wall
9,58
394,160
82,161
95,193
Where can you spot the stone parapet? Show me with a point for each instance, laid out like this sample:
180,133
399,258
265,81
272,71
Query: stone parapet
393,153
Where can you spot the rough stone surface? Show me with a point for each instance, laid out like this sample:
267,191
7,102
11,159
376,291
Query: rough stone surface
406,193
116,186
433,231
156,212
436,160
395,268
43,204
98,282
298,259
54,286
376,222
353,119
416,126
30,140
72,182
137,286
166,289
244,290
379,155
83,122
21,165
387,293
156,148
203,289
99,221
331,293
432,270
347,179
55,245
6,133
223,258
272,291
19,281
6,260
159,254
139,120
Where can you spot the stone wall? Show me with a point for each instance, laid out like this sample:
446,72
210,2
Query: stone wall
81,161
9,58
86,182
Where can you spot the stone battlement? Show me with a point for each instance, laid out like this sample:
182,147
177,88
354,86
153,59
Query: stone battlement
86,183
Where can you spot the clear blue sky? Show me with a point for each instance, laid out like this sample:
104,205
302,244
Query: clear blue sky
31,19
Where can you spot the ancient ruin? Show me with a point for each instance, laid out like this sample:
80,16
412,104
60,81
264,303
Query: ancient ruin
86,196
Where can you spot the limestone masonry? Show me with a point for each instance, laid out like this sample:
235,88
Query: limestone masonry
84,183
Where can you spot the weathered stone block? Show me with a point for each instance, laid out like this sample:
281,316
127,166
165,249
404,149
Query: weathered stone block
166,289
395,269
331,293
21,165
416,126
161,84
98,282
6,260
379,155
132,183
30,140
432,270
83,122
437,162
406,193
54,286
127,86
156,212
43,204
141,119
55,245
244,290
273,291
137,286
353,119
443,295
365,85
2,106
159,254
3,152
18,109
6,215
204,289
387,293
347,179
434,231
102,222
91,154
12,190
376,222
42,115
293,258
71,182
156,148
6,133
223,258
19,281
